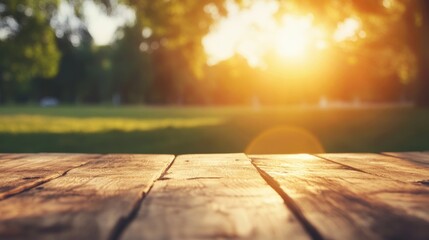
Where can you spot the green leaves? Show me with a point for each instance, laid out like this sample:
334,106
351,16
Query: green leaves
30,50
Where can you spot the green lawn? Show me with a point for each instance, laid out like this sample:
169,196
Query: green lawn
205,130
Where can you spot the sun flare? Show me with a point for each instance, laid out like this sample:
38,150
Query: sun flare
296,36
255,31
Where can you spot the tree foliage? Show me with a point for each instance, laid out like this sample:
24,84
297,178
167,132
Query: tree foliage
161,58
27,43
28,46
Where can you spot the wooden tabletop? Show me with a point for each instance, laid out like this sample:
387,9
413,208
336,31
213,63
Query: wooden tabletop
220,196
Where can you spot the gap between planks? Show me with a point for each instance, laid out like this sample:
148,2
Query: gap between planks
124,222
39,180
213,196
360,205
418,157
290,204
110,197
385,166
37,183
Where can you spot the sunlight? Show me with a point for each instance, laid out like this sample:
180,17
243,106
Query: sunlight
347,30
55,124
254,32
387,3
295,35
244,32
103,26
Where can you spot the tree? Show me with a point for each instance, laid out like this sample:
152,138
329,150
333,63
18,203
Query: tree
175,29
161,59
422,28
27,44
131,73
405,30
382,66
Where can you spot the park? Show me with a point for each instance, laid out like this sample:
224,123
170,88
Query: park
214,119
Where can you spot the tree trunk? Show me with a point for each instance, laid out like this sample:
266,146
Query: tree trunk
423,56
2,89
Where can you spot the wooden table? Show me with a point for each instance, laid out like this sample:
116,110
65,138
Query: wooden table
328,196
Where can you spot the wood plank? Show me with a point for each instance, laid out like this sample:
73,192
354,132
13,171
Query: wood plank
383,166
213,196
419,157
344,203
89,202
21,172
8,156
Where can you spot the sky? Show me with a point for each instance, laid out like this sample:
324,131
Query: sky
101,26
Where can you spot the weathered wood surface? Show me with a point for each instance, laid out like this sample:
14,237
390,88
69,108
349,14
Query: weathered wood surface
21,172
13,156
347,203
330,196
381,165
89,202
419,157
213,196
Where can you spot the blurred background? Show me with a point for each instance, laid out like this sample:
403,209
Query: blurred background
206,76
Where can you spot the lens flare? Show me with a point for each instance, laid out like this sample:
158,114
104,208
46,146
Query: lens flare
285,140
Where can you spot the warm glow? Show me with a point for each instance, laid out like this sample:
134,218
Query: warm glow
387,3
347,29
293,37
255,31
245,32
26,124
296,36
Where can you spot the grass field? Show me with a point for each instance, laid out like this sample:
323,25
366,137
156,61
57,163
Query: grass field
205,130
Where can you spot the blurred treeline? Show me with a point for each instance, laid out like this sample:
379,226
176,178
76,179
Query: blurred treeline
169,66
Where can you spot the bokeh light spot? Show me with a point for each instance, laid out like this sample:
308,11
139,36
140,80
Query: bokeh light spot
285,140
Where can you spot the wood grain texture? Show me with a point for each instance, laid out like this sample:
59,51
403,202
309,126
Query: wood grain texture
8,156
213,196
383,166
419,157
345,203
86,203
21,172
